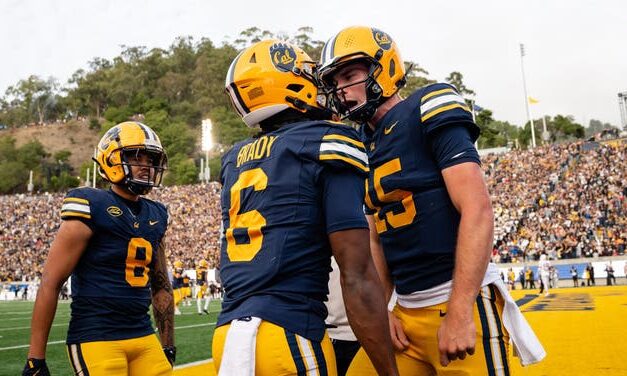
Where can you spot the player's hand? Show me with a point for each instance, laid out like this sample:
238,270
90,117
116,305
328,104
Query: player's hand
456,337
170,353
35,367
399,339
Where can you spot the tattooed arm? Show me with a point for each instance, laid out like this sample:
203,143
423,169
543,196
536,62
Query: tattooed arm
162,299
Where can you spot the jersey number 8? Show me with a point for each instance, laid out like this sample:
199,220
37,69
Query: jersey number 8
138,256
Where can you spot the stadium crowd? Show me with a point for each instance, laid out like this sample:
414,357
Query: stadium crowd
566,200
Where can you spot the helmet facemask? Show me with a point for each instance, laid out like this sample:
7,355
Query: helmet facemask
147,175
359,112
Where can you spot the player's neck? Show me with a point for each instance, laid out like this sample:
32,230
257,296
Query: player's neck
125,194
383,109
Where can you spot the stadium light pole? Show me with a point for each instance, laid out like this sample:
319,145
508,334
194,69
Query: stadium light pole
522,68
207,145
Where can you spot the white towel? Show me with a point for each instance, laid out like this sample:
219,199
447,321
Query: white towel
526,345
238,357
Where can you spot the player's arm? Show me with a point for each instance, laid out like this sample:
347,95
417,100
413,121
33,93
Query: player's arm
447,121
469,194
163,301
67,248
363,297
399,339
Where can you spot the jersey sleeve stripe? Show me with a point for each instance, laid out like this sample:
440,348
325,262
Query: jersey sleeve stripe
439,101
76,207
444,108
335,147
346,159
337,137
76,199
69,214
432,94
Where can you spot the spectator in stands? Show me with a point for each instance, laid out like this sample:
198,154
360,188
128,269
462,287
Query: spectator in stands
573,205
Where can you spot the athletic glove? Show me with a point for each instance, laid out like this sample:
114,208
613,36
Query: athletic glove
35,367
170,353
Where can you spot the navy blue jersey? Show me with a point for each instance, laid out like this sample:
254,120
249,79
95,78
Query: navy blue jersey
110,284
283,193
201,276
414,216
177,279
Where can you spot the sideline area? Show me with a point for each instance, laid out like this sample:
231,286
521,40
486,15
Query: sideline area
582,329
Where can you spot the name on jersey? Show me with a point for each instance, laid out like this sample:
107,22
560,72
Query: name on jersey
261,148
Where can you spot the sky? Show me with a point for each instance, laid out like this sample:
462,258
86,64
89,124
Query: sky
575,62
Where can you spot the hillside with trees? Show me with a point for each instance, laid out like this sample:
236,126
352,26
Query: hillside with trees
171,90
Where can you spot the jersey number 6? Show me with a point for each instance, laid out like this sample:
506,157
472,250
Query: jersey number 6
252,221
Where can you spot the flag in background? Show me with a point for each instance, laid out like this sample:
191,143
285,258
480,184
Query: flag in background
476,107
533,100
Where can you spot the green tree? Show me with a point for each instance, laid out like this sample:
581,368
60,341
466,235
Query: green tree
596,126
416,78
457,79
228,127
13,175
181,170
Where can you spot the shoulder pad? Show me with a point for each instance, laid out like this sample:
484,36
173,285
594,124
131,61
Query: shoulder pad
439,99
441,104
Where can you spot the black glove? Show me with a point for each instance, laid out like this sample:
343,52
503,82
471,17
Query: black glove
35,367
170,353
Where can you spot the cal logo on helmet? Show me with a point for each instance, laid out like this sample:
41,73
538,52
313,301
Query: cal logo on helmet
114,211
382,38
283,56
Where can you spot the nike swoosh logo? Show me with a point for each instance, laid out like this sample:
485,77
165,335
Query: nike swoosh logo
458,155
442,314
152,223
387,130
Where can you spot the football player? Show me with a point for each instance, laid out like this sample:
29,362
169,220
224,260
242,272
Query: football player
112,243
187,290
177,285
201,285
430,213
291,197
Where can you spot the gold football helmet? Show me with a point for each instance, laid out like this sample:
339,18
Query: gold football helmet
374,48
203,264
124,141
269,77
